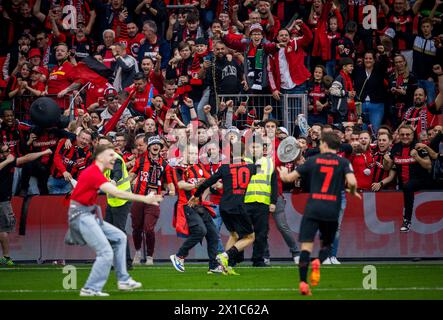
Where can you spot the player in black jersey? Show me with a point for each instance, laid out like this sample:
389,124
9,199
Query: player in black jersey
235,178
326,175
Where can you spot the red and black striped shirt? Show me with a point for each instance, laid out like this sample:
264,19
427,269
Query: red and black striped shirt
189,174
72,160
150,174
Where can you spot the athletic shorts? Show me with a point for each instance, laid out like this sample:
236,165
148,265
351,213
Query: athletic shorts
310,226
7,217
239,223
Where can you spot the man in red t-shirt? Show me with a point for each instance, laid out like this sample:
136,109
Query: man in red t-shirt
134,39
144,92
95,232
62,79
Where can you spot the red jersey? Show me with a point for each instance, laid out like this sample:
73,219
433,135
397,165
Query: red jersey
61,77
133,44
142,100
89,182
361,163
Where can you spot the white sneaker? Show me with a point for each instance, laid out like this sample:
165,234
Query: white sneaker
296,260
334,260
178,263
129,285
149,261
137,258
216,270
267,261
327,261
92,293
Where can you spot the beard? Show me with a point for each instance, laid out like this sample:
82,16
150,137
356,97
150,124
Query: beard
419,104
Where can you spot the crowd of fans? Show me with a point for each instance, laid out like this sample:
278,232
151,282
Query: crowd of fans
135,69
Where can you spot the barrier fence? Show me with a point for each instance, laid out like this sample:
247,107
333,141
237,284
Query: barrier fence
370,229
285,110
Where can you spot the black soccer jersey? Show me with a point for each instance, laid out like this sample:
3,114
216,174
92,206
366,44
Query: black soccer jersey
235,178
325,174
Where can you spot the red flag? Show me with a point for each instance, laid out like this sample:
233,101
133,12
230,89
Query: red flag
110,125
85,74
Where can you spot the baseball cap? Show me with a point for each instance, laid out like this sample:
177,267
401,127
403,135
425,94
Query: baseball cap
34,52
255,27
154,140
233,129
41,70
284,130
110,92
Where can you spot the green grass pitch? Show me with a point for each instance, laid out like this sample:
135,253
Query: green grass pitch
162,281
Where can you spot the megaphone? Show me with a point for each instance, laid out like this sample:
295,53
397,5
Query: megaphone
288,150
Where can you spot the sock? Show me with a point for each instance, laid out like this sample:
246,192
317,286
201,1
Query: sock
232,252
303,265
324,253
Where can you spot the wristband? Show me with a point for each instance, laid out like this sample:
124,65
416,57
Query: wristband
381,184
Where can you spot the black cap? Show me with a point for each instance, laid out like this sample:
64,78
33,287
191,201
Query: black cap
201,41
345,61
139,76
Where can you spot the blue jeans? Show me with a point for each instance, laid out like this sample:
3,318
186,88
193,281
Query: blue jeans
109,244
340,219
58,186
186,115
296,90
429,86
330,68
218,224
375,113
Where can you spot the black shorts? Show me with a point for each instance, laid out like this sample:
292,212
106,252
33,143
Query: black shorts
237,222
310,226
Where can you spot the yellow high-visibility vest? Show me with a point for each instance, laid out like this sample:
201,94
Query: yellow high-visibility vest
259,187
122,184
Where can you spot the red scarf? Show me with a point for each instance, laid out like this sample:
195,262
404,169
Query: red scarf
352,114
195,68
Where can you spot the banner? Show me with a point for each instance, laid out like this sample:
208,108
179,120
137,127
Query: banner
370,229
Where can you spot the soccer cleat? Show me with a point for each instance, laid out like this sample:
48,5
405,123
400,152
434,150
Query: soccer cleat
217,270
178,263
314,279
334,260
7,261
223,261
137,258
149,261
92,293
128,285
405,226
304,289
231,272
327,261
267,261
296,259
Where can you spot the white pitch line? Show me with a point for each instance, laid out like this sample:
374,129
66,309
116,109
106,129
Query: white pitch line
233,290
59,267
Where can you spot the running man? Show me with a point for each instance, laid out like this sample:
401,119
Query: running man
85,227
326,175
235,179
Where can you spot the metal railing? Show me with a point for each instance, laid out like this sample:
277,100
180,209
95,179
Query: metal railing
22,105
285,110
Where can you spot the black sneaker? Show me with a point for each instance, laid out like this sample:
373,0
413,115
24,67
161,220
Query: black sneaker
405,226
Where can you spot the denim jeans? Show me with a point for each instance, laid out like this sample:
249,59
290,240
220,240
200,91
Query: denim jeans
375,113
283,227
330,68
430,89
218,224
58,186
340,219
109,244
